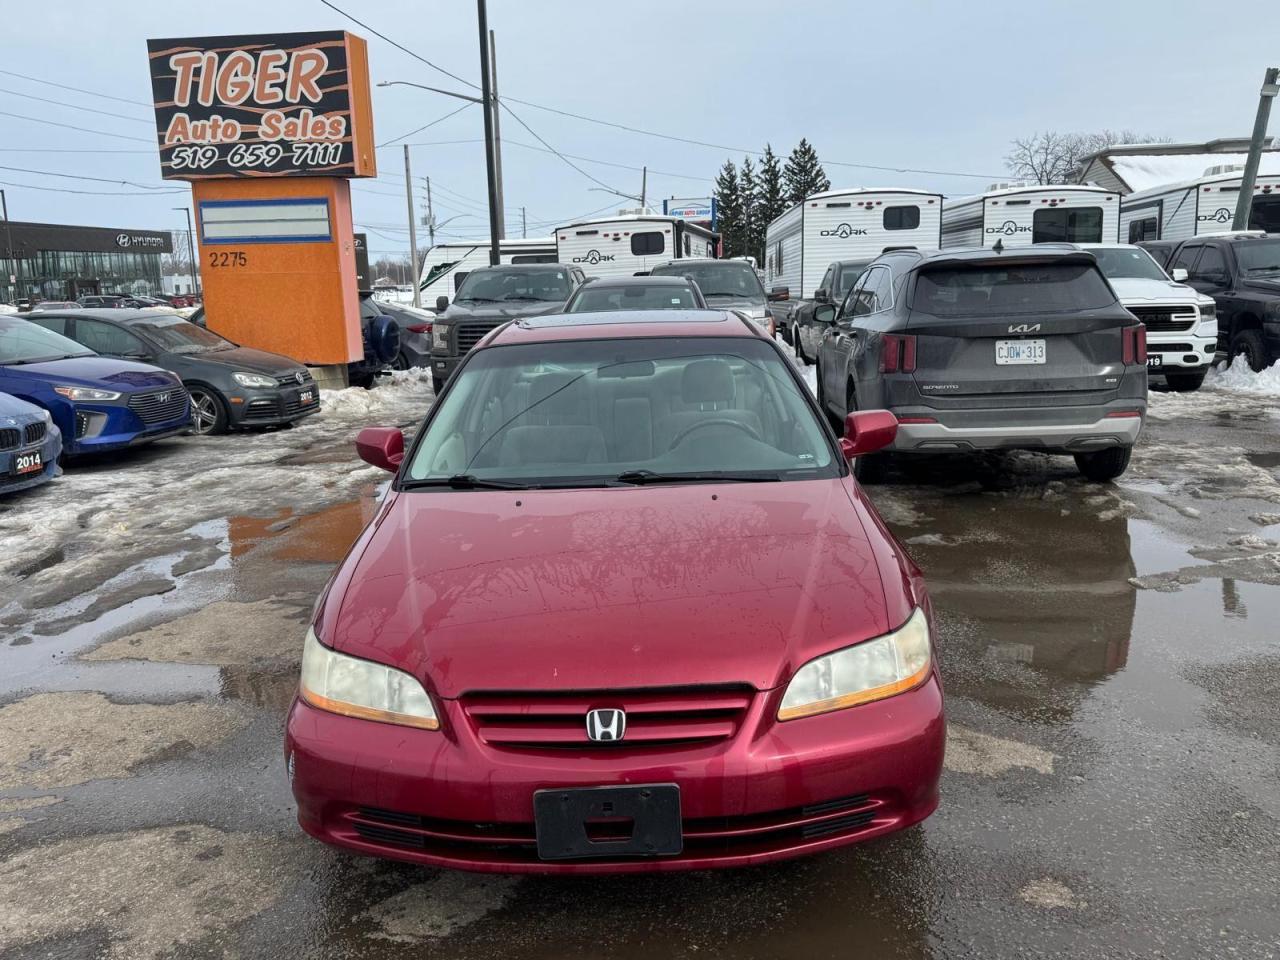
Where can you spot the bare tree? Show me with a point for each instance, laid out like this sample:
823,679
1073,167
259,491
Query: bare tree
1053,157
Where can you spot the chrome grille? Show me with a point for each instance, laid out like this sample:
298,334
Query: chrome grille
291,380
158,406
1177,319
469,334
9,438
35,432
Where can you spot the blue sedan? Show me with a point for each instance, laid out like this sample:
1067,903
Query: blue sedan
29,445
98,403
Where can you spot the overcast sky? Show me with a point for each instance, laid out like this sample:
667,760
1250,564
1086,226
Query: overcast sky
936,86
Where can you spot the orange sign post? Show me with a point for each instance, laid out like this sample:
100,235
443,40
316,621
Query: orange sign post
268,129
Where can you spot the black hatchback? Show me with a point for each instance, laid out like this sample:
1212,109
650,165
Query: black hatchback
231,386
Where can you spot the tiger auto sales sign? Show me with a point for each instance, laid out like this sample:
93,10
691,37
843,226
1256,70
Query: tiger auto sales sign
278,105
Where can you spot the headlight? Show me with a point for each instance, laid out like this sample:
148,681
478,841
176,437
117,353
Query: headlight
871,670
86,393
1208,311
253,380
360,688
440,335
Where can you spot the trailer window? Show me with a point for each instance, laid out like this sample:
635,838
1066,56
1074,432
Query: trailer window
1145,229
777,257
901,218
1067,225
647,244
1265,214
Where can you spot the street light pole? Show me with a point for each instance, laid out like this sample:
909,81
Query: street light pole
1270,87
413,228
191,250
497,138
13,255
490,158
10,277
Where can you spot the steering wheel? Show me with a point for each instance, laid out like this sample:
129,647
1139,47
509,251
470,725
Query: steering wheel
714,422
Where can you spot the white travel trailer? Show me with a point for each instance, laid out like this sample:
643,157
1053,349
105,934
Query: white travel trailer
624,246
846,225
1021,214
446,265
1192,208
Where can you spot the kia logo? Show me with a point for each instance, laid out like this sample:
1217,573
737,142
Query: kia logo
1024,328
1008,228
604,726
1221,215
595,256
844,231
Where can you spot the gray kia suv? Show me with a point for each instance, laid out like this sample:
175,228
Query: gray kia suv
987,350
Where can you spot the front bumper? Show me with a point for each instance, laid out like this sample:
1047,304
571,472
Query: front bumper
775,790
272,407
50,448
1181,353
1050,429
108,427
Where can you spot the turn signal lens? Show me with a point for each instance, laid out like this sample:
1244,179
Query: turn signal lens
871,670
363,689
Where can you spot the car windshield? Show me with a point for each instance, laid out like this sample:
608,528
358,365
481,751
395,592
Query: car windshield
1015,289
1127,263
500,284
1258,257
179,336
24,342
719,278
849,275
602,412
601,297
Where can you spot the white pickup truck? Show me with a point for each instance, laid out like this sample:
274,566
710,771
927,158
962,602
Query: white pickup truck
1181,322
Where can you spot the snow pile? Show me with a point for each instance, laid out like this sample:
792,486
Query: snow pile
1239,378
404,396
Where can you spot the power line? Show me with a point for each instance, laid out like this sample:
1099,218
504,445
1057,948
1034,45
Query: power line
393,140
73,106
74,176
92,93
67,150
400,47
51,123
534,133
92,193
612,163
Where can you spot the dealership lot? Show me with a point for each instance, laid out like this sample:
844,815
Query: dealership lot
1109,654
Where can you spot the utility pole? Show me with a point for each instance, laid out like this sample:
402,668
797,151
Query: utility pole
524,227
491,170
497,138
413,228
644,186
431,215
10,277
1270,87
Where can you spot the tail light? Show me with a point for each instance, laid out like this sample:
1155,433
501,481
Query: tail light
419,328
1134,344
897,353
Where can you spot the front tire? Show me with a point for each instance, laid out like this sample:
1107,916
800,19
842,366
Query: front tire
1105,465
1250,344
1184,382
208,412
401,362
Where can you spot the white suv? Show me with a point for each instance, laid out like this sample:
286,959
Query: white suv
1181,322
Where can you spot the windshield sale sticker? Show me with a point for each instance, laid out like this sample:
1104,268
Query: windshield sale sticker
294,104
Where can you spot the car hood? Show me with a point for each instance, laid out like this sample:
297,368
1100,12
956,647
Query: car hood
15,412
106,372
1134,290
499,311
618,587
246,358
1271,287
736,303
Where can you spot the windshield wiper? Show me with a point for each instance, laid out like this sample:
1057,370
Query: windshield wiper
642,477
476,300
465,481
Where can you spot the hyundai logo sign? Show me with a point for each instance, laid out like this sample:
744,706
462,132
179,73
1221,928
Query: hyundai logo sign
595,256
127,240
844,231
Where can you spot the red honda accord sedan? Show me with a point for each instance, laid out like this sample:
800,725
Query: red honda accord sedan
623,608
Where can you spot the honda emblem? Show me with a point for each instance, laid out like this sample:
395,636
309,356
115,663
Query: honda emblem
604,726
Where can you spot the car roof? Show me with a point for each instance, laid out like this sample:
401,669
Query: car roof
689,260
1039,251
647,281
521,266
622,325
121,315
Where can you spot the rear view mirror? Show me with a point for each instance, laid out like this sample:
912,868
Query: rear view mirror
824,313
780,293
1179,274
866,431
442,304
381,447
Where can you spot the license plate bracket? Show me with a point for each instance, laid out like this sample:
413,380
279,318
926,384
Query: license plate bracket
27,463
562,816
1020,351
1156,361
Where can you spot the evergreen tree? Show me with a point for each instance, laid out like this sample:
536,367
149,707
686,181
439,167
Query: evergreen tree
729,209
803,175
752,231
773,197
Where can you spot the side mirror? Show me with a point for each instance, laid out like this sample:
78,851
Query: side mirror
442,304
1179,274
822,295
381,447
824,313
866,431
780,293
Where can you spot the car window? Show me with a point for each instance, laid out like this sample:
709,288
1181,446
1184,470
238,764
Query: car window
1211,264
1259,258
179,336
878,295
56,324
24,342
1186,257
982,290
107,338
598,297
718,278
1120,263
826,283
499,284
584,411
850,306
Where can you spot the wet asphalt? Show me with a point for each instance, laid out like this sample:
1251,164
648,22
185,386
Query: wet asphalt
1111,657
